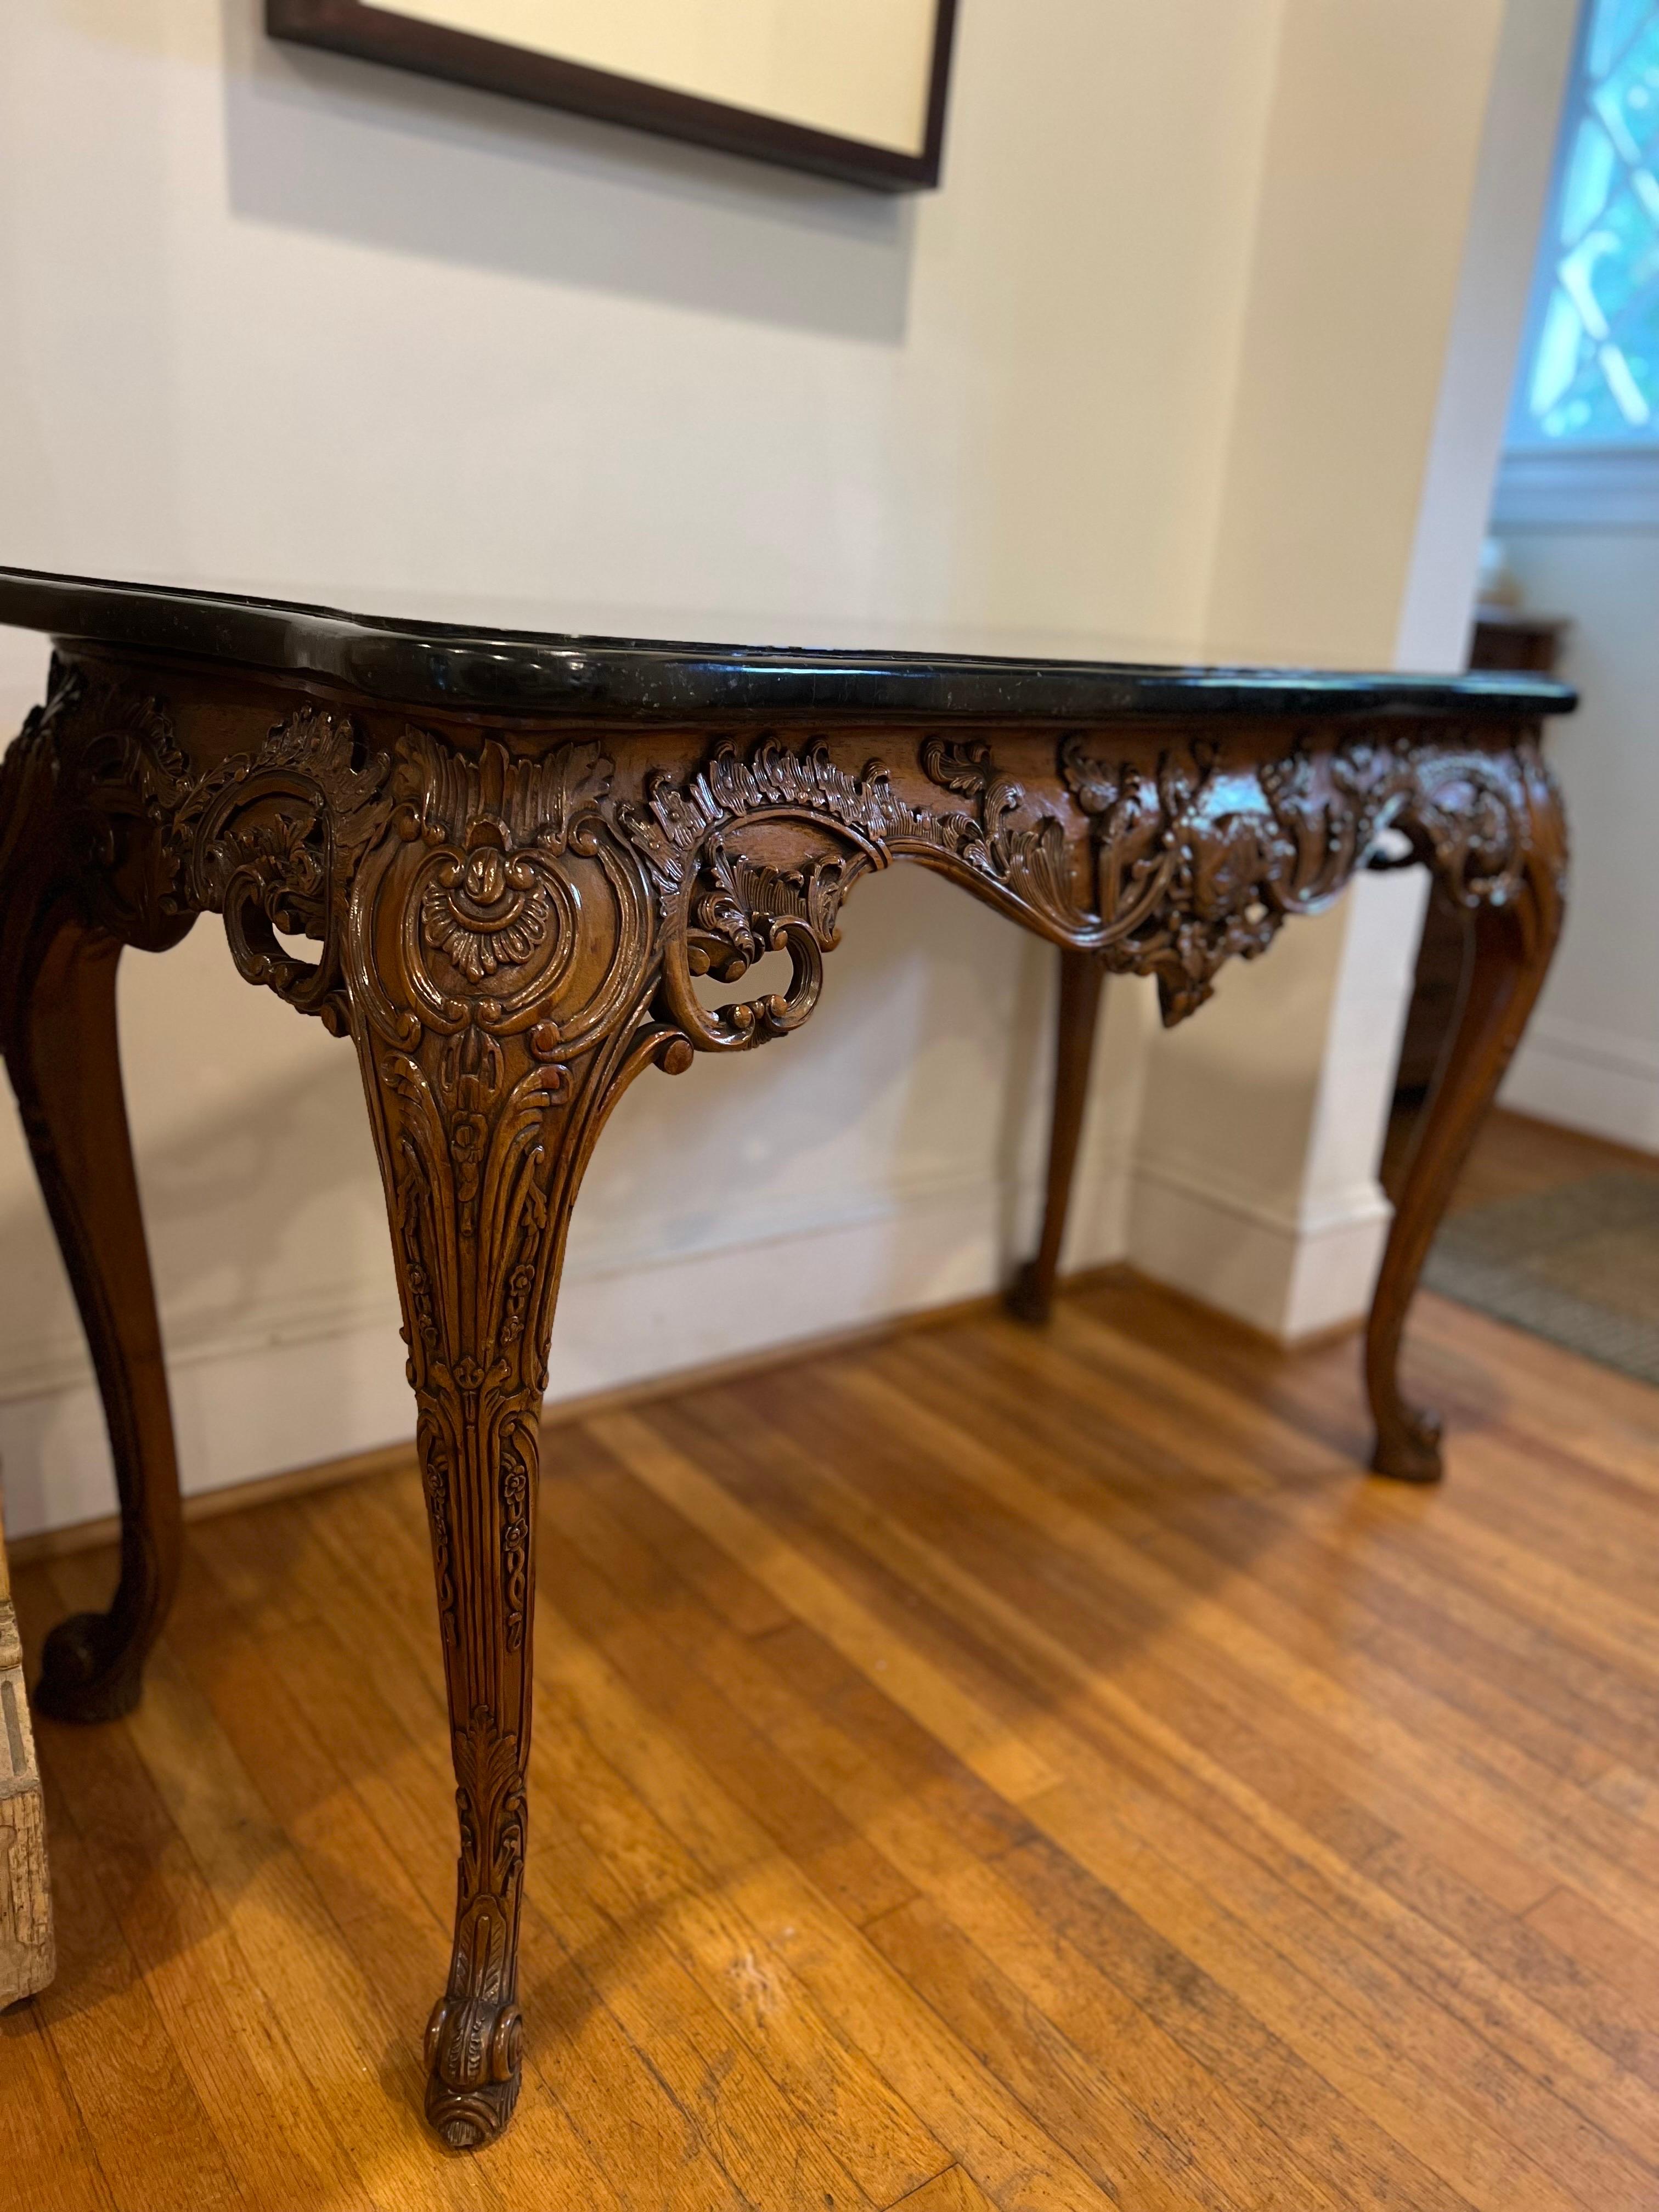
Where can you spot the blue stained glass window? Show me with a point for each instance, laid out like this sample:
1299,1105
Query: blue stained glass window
1591,372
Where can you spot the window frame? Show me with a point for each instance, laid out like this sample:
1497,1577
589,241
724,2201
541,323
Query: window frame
1523,440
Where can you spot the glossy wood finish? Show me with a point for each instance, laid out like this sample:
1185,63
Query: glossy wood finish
1506,945
991,1769
1513,944
1514,637
58,1030
519,861
1082,978
1502,638
451,665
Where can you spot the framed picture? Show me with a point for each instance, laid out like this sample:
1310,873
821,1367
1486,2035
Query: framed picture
851,89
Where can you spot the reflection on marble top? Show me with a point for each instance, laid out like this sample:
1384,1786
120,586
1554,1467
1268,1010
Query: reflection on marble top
438,664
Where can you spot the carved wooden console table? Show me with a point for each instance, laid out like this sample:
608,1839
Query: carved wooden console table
513,857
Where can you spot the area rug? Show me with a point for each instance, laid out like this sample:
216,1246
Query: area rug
1578,1265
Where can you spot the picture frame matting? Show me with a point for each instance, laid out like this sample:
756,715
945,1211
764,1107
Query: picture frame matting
881,62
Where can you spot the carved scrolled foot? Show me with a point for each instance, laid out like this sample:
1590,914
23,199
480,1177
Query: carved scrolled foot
1514,913
1408,1448
91,1670
472,2055
1027,1297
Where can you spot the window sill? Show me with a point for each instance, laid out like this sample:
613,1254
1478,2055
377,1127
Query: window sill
1589,488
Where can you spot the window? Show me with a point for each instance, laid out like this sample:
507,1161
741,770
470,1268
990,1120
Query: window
1590,370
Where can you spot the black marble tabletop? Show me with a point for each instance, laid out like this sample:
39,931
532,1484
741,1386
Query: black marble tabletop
443,665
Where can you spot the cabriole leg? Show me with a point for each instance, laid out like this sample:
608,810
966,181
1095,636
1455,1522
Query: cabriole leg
58,1028
1082,976
1513,943
499,975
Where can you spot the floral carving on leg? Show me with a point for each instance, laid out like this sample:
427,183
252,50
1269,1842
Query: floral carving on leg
500,964
510,929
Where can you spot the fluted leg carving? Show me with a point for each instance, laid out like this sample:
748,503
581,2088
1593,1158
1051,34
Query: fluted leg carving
1515,935
481,1157
510,926
498,971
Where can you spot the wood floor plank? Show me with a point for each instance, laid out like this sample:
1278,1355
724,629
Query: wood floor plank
660,1948
1533,2034
954,2097
51,2162
386,1878
1157,1621
219,2021
1465,2139
951,2191
145,2111
928,1840
1156,1677
340,2032
1124,2056
1492,2003
1569,1834
926,1691
986,1768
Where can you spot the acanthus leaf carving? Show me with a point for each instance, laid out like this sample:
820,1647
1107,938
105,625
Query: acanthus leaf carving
475,2034
1201,858
272,842
510,930
755,855
500,961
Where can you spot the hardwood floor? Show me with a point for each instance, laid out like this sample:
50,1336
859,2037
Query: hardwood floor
980,1768
1518,1157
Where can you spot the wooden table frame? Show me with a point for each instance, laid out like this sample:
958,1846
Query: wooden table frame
515,860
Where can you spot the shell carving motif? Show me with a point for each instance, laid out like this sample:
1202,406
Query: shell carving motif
493,912
509,940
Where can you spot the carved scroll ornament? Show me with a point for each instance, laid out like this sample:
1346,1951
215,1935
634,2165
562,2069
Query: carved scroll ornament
1197,850
509,930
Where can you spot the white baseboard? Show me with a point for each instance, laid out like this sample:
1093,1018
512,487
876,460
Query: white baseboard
1291,1275
1589,1079
247,1410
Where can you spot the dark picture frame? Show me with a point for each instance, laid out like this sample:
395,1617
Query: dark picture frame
382,34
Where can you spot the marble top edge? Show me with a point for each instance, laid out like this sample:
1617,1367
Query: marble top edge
471,668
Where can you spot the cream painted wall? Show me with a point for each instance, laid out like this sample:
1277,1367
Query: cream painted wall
279,319
1581,535
1591,1055
1499,249
1373,141
288,321
1389,277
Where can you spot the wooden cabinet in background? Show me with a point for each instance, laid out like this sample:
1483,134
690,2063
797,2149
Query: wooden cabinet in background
1504,637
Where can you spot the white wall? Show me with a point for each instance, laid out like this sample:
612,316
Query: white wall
1590,1058
275,319
1581,531
1391,267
